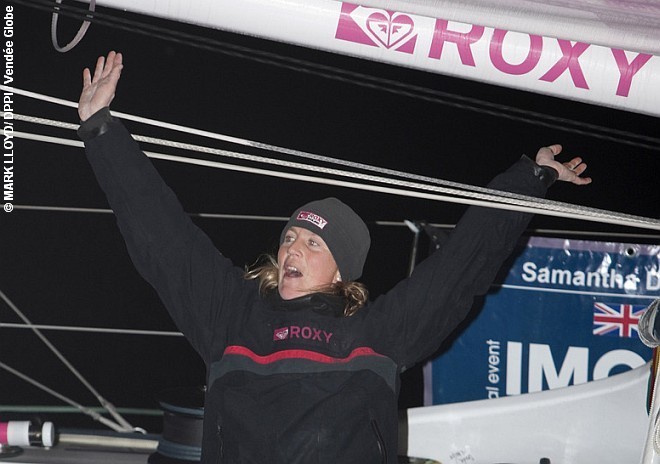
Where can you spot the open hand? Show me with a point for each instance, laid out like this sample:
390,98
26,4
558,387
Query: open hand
99,90
569,171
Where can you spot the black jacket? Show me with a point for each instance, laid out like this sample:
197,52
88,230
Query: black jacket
290,381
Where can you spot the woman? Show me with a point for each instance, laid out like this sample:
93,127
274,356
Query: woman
300,367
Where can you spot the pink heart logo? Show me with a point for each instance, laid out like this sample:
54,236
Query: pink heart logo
391,30
281,334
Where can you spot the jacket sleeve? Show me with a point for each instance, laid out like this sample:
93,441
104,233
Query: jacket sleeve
191,277
425,308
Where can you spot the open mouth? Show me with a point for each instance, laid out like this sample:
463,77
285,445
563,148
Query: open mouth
292,272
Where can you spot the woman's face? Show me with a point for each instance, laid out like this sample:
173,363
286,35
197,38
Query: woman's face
305,264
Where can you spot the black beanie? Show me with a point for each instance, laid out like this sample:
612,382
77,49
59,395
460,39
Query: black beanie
340,228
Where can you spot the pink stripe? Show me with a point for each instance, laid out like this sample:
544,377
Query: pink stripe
3,433
299,354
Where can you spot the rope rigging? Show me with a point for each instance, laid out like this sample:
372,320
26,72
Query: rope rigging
120,424
494,200
406,184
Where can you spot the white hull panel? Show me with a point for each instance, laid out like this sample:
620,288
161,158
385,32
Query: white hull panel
602,422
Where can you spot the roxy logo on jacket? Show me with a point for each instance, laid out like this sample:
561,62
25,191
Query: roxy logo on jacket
297,332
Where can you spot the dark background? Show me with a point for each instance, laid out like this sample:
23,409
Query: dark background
71,268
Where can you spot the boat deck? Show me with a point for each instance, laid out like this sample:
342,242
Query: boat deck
78,455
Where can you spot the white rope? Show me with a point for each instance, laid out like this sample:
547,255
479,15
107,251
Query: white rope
130,117
85,410
242,217
70,328
41,408
492,195
524,206
656,435
354,165
263,146
255,217
65,209
482,193
292,176
386,223
488,194
549,204
121,422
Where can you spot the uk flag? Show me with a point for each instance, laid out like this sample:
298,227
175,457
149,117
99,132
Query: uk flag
616,320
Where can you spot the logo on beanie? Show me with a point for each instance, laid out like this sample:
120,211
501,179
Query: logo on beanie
315,219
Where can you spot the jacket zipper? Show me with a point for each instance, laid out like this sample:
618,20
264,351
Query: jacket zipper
221,447
379,441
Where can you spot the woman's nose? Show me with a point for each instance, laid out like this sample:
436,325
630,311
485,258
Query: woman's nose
294,248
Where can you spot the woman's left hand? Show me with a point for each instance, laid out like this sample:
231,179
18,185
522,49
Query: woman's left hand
569,171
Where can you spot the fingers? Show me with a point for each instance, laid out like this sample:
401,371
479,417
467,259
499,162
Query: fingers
573,164
580,169
546,155
113,64
117,66
87,77
575,169
581,180
98,70
106,66
576,166
555,149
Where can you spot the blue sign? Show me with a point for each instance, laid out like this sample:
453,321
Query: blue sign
564,313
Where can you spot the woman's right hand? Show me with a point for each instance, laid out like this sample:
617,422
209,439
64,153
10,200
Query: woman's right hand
99,90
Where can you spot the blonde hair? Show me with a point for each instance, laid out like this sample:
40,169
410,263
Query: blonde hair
266,271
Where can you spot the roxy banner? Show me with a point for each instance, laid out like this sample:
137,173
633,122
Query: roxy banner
560,66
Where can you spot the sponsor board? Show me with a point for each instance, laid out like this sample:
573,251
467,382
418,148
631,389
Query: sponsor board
561,313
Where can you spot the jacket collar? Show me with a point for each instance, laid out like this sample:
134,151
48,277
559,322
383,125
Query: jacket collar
321,303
